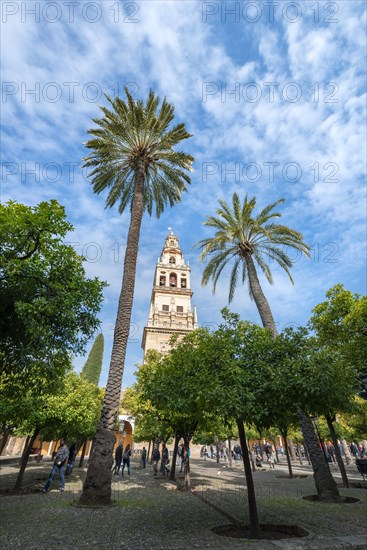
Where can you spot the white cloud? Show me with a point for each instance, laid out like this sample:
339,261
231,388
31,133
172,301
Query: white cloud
173,51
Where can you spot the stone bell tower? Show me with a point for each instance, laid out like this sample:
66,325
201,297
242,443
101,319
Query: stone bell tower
170,306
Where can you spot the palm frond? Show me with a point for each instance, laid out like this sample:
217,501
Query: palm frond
240,235
131,136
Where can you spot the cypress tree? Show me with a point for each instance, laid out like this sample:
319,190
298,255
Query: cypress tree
91,372
93,366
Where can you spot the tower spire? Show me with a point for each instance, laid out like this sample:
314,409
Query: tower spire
170,306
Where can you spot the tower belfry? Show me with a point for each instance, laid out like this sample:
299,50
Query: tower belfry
170,305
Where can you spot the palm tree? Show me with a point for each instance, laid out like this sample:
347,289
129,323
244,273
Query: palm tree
133,156
246,240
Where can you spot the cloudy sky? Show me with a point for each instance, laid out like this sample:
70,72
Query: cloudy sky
274,95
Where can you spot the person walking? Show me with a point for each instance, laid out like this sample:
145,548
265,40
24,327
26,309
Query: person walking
271,460
118,459
258,460
156,456
126,460
144,457
70,464
59,465
165,460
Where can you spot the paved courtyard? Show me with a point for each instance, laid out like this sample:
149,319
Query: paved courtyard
150,513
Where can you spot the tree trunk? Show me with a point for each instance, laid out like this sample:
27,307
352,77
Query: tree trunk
292,451
39,456
230,453
255,529
337,451
346,451
187,482
325,483
306,454
326,486
217,449
259,297
275,449
148,451
24,460
299,454
82,456
174,458
284,435
261,448
3,438
251,453
97,485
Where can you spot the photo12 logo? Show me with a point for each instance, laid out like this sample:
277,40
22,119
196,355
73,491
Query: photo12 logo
269,12
71,92
70,12
268,172
270,92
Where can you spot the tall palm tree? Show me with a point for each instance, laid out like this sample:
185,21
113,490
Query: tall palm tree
247,240
132,156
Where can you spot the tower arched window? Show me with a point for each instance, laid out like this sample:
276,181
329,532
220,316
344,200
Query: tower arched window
172,260
173,280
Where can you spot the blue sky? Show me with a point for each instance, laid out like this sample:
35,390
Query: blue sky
274,95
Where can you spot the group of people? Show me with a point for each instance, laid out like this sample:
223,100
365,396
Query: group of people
267,452
122,457
64,458
358,451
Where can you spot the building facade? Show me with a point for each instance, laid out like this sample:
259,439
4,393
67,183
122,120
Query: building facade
170,310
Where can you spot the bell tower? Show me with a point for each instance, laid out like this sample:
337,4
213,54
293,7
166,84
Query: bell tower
170,305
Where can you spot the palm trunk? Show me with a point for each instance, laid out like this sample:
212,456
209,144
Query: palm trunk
97,485
306,454
259,297
174,458
24,460
326,486
337,452
255,529
325,483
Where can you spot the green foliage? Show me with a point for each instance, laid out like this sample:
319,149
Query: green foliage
48,307
238,234
131,137
93,366
147,426
340,323
71,408
74,411
182,387
352,425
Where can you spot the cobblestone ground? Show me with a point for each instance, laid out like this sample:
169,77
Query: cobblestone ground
150,513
